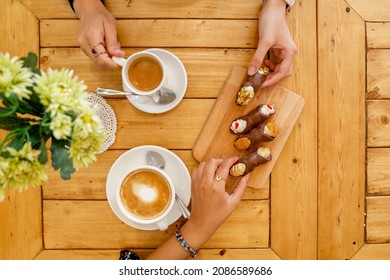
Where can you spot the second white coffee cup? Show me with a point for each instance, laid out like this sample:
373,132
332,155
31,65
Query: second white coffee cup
146,196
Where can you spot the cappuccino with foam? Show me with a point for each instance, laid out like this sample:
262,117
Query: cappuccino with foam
145,194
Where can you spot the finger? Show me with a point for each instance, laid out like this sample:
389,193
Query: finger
257,59
197,172
102,58
86,47
281,71
112,43
211,167
269,64
224,167
272,79
93,45
239,191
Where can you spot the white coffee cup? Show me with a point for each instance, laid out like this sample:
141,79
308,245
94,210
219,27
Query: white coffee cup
142,196
146,68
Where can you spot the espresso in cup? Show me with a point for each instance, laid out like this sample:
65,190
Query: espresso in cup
145,73
145,194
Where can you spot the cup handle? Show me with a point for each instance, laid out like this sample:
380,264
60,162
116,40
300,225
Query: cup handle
119,60
162,225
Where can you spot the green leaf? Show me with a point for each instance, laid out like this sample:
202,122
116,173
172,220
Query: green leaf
6,112
61,159
34,136
42,158
12,122
44,137
17,143
11,104
31,62
26,107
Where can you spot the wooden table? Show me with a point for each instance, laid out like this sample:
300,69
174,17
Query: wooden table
328,195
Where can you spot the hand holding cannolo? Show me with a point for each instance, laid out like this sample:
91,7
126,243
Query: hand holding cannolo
250,161
250,86
265,132
245,123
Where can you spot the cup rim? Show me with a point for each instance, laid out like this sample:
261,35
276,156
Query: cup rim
134,218
127,86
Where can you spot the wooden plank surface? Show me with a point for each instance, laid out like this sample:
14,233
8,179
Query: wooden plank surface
20,218
378,35
204,254
199,63
378,222
214,47
294,177
371,11
378,123
216,140
182,124
378,174
161,33
373,252
341,130
91,224
378,71
90,183
153,9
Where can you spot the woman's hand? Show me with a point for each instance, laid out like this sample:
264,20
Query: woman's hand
274,35
98,36
211,205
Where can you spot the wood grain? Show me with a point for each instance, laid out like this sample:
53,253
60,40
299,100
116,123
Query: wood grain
378,176
216,140
294,177
205,48
199,63
378,223
378,71
91,224
20,218
155,9
161,33
90,183
341,120
204,254
182,124
378,123
373,252
378,35
375,12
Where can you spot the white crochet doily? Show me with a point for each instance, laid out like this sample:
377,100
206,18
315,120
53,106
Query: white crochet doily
108,118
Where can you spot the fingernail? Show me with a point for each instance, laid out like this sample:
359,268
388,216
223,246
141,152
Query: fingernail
252,70
118,50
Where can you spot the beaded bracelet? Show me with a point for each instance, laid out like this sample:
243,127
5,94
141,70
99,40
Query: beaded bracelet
184,244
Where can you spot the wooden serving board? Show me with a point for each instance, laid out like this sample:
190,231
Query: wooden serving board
216,140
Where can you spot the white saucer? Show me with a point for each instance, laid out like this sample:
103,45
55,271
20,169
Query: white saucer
175,168
176,81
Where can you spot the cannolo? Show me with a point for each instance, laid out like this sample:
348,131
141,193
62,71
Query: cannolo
250,161
245,123
265,132
250,86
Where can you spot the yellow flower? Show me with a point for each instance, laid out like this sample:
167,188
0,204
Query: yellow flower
14,78
59,90
87,137
61,126
21,169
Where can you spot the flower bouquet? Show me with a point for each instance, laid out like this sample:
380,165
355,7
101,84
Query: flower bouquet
41,111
